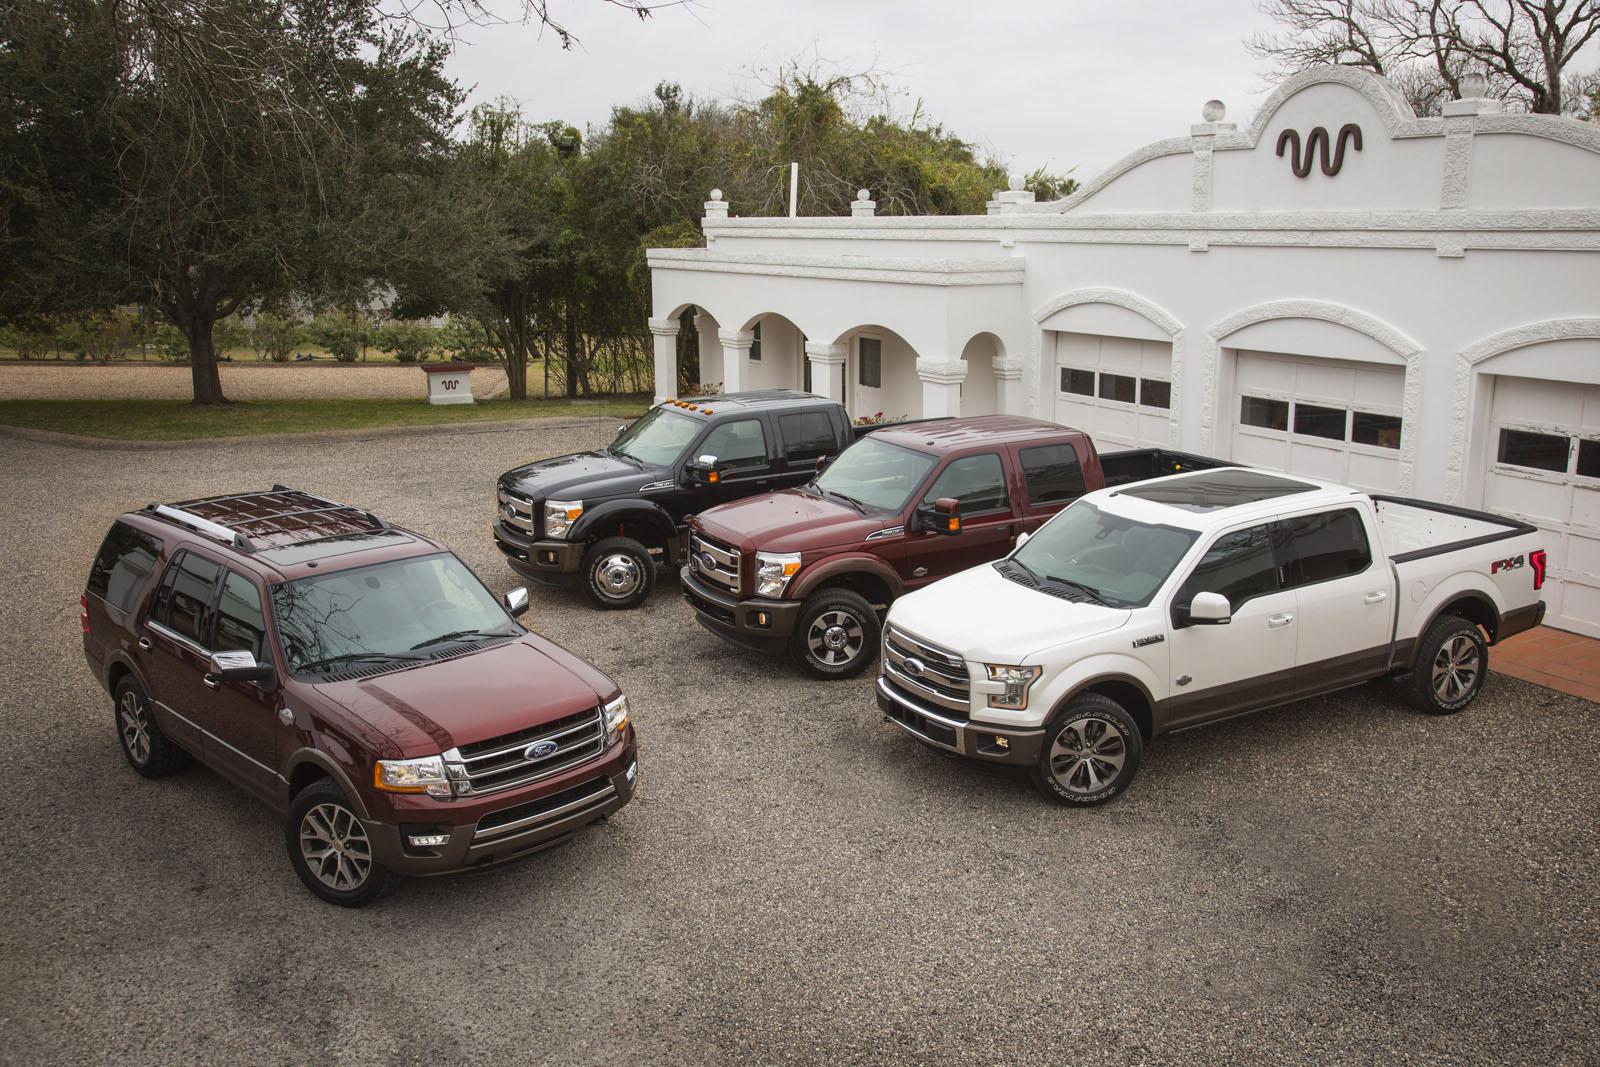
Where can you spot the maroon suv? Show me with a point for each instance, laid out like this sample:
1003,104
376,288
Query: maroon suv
357,677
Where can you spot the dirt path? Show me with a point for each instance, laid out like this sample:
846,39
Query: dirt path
239,382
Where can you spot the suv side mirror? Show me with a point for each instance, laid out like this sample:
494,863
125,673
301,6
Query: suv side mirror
241,666
516,601
943,516
1210,609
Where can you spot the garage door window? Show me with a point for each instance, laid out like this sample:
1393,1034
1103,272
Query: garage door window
1155,393
1317,420
1380,431
1589,459
1267,414
1550,452
1120,388
1077,381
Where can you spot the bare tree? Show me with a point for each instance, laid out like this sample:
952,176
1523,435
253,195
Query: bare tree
1526,48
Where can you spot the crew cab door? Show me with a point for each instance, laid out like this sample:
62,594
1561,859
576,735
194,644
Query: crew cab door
1052,478
172,636
803,438
988,520
1346,595
1222,670
744,460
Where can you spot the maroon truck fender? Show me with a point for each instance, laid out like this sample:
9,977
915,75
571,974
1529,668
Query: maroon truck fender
849,563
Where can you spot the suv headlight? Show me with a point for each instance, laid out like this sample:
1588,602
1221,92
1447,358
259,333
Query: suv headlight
559,515
616,719
773,571
1017,680
425,775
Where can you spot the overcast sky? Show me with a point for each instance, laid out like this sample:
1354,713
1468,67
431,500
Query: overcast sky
1060,83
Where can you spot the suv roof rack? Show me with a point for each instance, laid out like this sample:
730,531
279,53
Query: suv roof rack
280,516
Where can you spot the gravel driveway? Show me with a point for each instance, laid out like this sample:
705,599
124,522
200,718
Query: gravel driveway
240,381
1339,880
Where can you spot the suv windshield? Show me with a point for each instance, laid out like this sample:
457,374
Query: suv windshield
876,474
392,610
1118,561
657,439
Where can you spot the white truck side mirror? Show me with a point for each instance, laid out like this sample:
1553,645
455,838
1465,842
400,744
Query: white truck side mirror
1210,609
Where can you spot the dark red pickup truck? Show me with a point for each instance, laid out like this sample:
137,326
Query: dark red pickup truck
811,570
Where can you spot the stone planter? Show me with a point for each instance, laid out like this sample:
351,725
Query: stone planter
449,383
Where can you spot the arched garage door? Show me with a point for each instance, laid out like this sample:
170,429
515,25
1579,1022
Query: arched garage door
1324,418
1118,390
1543,466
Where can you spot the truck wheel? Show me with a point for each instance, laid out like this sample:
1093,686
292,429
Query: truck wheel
1091,752
329,847
1452,660
837,634
618,573
148,750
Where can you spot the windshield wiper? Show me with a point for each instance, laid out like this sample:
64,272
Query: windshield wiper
456,635
1087,590
635,460
352,657
860,506
1029,571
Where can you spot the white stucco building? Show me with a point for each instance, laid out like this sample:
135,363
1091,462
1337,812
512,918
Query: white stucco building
1342,290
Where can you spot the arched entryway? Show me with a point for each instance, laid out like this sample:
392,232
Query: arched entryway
880,374
978,393
776,358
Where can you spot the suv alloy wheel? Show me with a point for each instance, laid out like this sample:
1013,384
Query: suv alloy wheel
330,849
146,747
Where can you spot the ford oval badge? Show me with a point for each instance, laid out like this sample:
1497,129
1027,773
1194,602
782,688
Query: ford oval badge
913,667
708,562
539,750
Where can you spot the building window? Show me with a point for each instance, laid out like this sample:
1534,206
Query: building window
1118,387
755,343
1379,431
869,357
1315,421
1267,414
1541,451
1589,458
1155,393
1077,381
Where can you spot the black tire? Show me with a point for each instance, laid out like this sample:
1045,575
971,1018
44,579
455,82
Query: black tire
1100,728
146,748
848,632
321,814
618,573
1451,665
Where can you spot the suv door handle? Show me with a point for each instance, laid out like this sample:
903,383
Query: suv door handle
1376,597
1275,621
145,645
210,681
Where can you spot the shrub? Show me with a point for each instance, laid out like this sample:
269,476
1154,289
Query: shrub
408,342
275,337
342,334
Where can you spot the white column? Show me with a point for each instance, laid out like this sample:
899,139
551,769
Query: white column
1009,395
664,334
735,351
941,386
827,369
1202,140
1013,199
709,369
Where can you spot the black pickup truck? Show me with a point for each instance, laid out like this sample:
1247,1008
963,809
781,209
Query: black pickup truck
607,518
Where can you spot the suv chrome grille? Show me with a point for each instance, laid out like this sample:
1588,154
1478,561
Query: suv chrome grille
517,511
502,762
938,677
715,562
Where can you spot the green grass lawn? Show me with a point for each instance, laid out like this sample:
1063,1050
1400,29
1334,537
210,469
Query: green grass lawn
179,420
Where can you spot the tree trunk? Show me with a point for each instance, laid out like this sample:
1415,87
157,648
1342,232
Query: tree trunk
203,363
574,359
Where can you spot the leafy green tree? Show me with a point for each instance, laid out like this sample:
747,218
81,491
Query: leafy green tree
275,336
408,342
341,334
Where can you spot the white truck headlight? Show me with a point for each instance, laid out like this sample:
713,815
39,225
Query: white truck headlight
559,515
1017,680
773,571
425,775
616,719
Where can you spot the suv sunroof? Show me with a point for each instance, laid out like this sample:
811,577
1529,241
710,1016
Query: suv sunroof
1215,490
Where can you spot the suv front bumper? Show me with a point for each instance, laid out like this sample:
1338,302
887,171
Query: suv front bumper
549,561
509,826
739,621
974,740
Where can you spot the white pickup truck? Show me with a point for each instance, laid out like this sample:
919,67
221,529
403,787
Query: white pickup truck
1170,603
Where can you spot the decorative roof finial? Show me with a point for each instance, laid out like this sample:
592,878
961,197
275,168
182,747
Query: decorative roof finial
716,194
1214,111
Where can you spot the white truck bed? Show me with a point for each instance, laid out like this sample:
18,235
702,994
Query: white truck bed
1406,527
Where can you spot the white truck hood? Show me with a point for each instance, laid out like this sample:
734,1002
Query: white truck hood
987,618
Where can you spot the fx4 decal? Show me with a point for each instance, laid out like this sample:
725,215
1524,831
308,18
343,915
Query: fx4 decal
1510,564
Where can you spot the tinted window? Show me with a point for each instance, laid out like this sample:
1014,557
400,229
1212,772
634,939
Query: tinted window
240,625
755,343
870,351
1116,387
1589,458
185,610
1382,431
1326,546
1319,421
979,482
1258,411
741,443
806,435
1155,393
1543,451
125,559
1077,381
1239,565
1052,474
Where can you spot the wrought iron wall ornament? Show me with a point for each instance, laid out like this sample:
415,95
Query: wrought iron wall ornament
1319,137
